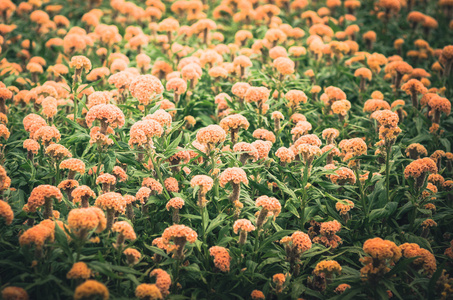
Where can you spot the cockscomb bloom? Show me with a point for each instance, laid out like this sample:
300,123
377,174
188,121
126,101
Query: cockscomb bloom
419,170
247,152
162,117
341,108
107,115
295,245
82,194
43,195
285,155
142,196
364,74
295,97
142,132
153,184
179,235
398,69
14,292
301,128
415,150
205,184
83,220
352,148
277,117
38,235
234,176
175,204
340,289
221,258
284,66
178,85
328,267
270,206
343,208
125,232
6,212
257,295
264,134
57,152
263,148
163,281
308,153
428,223
91,289
232,124
279,280
47,134
112,203
79,270
414,88
74,166
32,147
148,291
107,180
328,235
330,134
132,256
211,136
425,260
241,62
436,179
145,88
242,226
80,63
439,105
259,95
171,184
310,139
382,255
239,89
373,105
342,176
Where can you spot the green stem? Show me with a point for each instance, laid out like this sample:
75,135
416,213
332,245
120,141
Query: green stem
387,172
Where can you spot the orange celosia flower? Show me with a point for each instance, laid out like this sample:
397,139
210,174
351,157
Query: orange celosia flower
148,291
90,289
83,220
14,292
6,212
79,270
221,258
163,280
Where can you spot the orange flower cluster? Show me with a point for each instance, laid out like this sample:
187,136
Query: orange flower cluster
14,293
6,212
382,255
41,194
179,235
148,291
83,220
425,259
328,236
124,229
342,175
153,185
163,281
79,270
233,175
327,266
132,255
38,234
111,201
221,258
91,289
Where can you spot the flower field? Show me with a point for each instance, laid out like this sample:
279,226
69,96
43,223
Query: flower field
226,149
